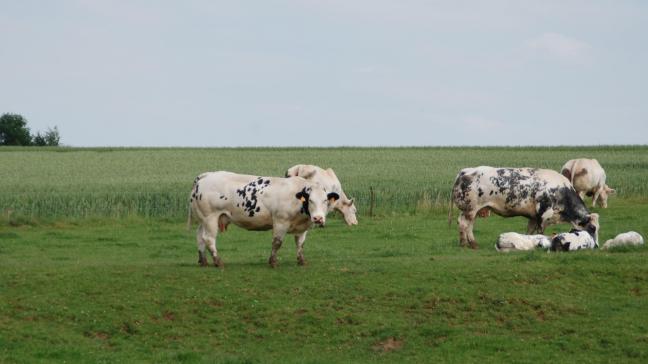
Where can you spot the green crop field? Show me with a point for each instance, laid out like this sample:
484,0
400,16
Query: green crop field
64,183
96,265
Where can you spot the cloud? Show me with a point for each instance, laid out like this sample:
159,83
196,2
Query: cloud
559,47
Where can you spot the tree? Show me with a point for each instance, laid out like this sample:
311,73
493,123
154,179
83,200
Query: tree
14,130
52,137
39,140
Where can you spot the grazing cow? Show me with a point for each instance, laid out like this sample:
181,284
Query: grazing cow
285,205
631,238
328,179
588,178
578,239
543,196
515,241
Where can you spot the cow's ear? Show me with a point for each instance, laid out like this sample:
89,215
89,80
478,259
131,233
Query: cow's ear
333,196
302,196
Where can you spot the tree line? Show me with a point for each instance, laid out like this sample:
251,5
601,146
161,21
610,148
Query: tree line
14,131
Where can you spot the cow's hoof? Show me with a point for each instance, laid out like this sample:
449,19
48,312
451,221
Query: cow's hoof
301,261
218,263
202,260
273,262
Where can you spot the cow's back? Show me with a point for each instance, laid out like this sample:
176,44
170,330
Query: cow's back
588,175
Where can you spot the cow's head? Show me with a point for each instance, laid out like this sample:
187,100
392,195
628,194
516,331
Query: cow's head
591,225
603,195
315,203
348,210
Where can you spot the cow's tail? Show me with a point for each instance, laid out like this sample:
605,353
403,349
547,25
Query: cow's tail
571,177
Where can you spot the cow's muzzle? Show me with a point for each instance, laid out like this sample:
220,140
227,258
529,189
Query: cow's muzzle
318,220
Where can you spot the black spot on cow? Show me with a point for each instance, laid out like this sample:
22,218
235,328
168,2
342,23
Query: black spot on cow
248,195
558,244
513,183
571,207
545,203
303,196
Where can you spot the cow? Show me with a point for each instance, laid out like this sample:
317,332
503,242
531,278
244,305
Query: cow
544,196
578,239
588,178
328,179
285,205
631,238
514,241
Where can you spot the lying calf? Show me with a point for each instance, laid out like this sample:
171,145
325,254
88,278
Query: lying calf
578,239
515,241
631,238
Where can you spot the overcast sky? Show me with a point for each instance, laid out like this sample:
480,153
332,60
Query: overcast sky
328,73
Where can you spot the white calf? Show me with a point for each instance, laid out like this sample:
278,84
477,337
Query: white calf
631,238
515,241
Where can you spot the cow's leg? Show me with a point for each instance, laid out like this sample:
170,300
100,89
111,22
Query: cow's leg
202,258
532,226
299,242
210,232
466,237
596,197
278,234
545,220
462,226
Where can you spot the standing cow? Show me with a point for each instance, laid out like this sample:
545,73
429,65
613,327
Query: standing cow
543,196
328,179
285,205
588,178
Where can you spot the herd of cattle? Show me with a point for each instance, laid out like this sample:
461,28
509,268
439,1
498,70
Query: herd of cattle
302,199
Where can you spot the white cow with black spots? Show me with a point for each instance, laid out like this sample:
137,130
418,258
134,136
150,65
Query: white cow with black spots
285,205
543,196
330,181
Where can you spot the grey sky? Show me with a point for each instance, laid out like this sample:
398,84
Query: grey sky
328,73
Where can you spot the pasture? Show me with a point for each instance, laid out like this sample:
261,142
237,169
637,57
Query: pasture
96,265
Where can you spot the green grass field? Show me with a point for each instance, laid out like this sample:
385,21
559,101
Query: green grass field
96,265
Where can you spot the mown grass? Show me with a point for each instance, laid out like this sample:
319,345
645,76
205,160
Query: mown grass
96,265
116,182
393,289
